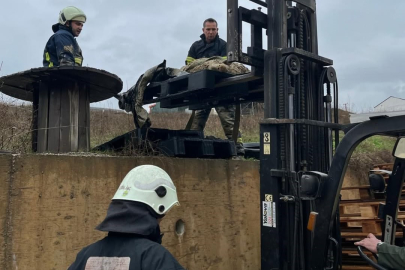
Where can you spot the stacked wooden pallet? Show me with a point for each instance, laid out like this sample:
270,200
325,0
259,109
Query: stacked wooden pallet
359,217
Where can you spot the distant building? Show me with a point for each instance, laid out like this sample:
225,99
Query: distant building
391,104
361,117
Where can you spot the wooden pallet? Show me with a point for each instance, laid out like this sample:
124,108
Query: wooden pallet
384,166
357,267
363,193
359,216
364,208
364,215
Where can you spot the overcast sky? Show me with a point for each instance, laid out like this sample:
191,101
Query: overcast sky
365,38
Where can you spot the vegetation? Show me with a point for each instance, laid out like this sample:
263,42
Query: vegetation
15,131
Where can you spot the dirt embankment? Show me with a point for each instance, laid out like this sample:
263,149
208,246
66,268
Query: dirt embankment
361,163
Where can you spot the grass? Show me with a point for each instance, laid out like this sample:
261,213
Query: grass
376,143
16,125
15,131
249,124
372,151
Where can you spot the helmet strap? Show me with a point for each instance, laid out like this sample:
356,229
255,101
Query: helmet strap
70,26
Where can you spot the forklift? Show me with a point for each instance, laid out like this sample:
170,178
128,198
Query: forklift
303,161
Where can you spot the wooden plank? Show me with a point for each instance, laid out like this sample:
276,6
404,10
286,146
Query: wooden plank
348,219
357,267
354,224
361,235
34,121
356,187
54,119
87,119
350,195
360,203
349,209
384,166
364,194
353,252
74,118
65,121
84,119
368,211
43,110
371,227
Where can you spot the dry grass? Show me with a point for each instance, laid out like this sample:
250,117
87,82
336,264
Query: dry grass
374,150
15,127
15,131
108,124
249,124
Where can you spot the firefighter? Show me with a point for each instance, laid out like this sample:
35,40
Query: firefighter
211,45
389,256
62,48
144,197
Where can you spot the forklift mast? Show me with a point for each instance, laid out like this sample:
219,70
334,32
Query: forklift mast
302,162
296,134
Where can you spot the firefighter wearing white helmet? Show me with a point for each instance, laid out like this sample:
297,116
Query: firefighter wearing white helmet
150,185
71,14
62,48
144,197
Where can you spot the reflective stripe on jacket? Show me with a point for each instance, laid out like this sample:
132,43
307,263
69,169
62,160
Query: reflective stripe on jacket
202,49
62,49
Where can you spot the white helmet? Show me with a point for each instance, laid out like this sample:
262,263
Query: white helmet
150,185
71,13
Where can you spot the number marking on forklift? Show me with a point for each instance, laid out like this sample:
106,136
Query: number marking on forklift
266,137
266,141
268,198
388,230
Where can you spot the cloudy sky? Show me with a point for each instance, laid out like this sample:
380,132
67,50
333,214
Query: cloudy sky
365,38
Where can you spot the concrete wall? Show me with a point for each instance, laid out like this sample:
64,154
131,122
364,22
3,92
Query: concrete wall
49,206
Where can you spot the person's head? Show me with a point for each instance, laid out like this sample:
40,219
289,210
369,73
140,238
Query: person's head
73,18
149,185
210,29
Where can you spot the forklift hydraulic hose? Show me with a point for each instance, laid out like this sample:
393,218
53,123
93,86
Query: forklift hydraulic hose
368,260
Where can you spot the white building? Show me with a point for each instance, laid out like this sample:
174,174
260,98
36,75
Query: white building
391,104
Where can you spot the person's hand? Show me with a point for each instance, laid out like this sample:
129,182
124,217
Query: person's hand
369,243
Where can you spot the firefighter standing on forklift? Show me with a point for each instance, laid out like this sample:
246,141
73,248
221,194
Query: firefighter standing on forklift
208,46
62,48
144,197
389,256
